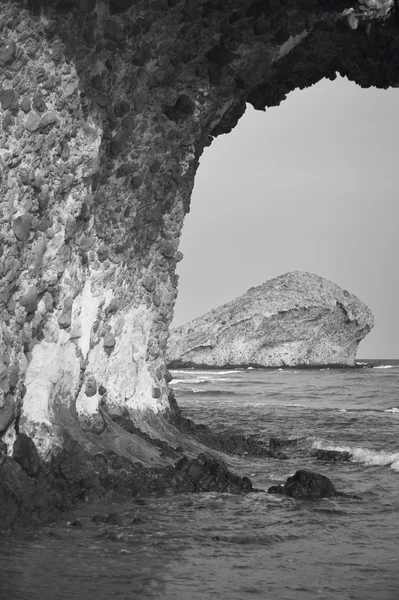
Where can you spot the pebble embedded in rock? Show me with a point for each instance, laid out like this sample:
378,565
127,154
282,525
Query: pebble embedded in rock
25,104
48,119
149,283
167,249
7,97
91,387
65,319
109,341
30,299
32,122
21,226
39,103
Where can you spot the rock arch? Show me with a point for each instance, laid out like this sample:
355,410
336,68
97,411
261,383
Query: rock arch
106,107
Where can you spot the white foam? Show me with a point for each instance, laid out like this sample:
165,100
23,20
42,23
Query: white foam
364,456
385,367
187,381
392,410
204,373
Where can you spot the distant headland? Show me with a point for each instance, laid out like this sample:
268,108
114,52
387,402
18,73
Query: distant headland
296,320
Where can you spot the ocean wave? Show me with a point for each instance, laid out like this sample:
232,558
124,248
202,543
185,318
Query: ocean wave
188,381
370,458
385,367
214,393
394,409
203,372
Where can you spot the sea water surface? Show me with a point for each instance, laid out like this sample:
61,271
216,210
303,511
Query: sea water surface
195,547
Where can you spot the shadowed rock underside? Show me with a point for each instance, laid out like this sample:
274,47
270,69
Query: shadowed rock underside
106,107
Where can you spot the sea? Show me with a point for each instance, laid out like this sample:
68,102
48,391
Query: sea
255,546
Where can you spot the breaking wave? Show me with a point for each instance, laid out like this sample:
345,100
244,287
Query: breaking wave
370,458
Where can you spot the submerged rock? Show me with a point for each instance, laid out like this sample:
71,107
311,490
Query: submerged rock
332,455
306,485
297,319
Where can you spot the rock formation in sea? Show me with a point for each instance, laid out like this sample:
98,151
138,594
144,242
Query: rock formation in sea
106,108
297,319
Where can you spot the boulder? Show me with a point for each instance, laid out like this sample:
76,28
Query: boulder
332,455
297,319
306,485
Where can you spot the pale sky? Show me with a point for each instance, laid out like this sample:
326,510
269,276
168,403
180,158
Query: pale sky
311,185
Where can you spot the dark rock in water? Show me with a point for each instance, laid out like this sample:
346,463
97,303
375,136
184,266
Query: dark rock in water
76,524
99,519
276,489
26,455
281,442
114,519
230,442
140,501
332,455
306,485
207,473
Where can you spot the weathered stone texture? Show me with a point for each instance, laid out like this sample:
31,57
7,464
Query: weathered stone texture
106,107
297,319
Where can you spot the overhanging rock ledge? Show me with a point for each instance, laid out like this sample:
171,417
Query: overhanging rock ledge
106,107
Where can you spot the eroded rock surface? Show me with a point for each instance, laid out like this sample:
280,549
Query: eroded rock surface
106,107
297,319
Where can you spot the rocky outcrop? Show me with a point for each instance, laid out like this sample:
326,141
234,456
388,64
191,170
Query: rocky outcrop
297,319
306,485
105,108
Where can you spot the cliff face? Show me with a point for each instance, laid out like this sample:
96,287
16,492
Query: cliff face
297,319
106,107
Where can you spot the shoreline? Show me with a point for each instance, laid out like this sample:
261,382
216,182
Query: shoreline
249,366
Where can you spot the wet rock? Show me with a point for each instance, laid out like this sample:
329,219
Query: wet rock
99,519
76,524
26,455
114,519
156,392
332,455
209,474
38,103
30,299
275,443
306,485
21,226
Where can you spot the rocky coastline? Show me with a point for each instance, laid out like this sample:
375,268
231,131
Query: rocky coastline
106,107
33,493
